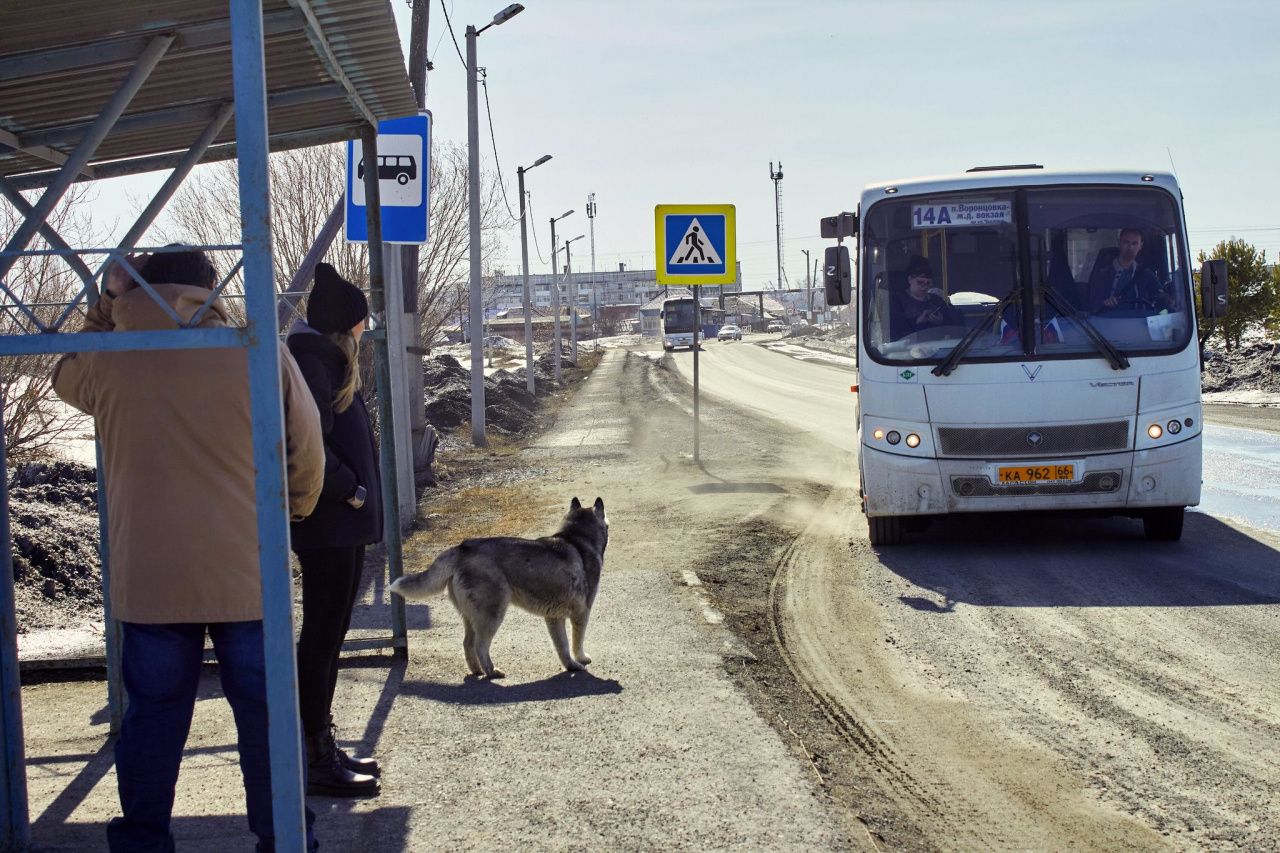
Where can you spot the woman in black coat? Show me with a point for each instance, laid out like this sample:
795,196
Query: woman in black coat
330,542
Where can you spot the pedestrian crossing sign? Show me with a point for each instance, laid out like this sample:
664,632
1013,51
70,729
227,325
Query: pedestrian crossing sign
696,244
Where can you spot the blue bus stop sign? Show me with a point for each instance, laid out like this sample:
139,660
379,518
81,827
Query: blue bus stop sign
404,150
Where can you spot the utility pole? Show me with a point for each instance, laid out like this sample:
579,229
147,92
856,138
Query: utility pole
595,305
776,177
419,65
555,289
808,287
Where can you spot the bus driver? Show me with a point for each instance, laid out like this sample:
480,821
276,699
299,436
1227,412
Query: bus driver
921,305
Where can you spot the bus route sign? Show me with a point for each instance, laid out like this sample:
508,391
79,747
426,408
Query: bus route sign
696,244
404,148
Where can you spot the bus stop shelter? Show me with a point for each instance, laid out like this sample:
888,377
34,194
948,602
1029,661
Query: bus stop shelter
93,89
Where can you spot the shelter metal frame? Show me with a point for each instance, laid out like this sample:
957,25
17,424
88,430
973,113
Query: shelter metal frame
170,53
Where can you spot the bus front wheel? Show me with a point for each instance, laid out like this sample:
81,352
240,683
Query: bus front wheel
885,529
1164,523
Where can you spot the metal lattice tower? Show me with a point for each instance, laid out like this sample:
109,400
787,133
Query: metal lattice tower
776,176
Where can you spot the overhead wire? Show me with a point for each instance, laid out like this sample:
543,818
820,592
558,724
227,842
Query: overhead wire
448,23
497,164
534,231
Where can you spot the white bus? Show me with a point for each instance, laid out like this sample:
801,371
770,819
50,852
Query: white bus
1026,340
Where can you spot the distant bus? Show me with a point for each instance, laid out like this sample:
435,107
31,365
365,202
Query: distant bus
393,167
677,322
1025,388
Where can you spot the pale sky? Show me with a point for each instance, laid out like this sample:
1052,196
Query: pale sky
648,102
663,102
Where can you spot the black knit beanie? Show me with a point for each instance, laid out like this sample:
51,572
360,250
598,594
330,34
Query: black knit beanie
335,305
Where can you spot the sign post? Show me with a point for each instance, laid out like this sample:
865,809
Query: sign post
696,245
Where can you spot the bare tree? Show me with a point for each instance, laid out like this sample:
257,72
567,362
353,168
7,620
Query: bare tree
36,422
304,185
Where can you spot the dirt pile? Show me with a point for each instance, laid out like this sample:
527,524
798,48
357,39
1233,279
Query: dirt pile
1252,367
508,406
53,516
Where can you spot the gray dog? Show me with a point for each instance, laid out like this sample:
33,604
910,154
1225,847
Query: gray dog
554,577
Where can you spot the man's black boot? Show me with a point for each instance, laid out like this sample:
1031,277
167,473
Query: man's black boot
367,766
326,777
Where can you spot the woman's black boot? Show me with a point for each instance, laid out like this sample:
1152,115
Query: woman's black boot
367,766
326,777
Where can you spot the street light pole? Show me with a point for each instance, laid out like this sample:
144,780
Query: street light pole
524,260
595,305
555,287
573,298
476,313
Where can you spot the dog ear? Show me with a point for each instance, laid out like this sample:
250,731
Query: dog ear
575,504
599,506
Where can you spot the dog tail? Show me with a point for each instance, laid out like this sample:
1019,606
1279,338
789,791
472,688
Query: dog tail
423,585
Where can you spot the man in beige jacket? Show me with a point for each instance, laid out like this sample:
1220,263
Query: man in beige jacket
177,455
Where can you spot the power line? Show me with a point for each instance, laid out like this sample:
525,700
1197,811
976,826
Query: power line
449,24
497,164
534,231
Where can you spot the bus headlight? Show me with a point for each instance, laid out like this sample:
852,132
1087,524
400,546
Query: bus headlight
1155,431
1174,426
878,434
893,437
913,440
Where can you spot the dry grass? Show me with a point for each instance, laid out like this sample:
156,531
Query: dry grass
458,511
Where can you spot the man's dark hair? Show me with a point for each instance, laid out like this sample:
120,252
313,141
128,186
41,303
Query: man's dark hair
190,266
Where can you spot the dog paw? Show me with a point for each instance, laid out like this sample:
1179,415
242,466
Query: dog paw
573,665
584,659
494,674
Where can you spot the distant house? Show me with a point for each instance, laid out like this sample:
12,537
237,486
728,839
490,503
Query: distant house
510,324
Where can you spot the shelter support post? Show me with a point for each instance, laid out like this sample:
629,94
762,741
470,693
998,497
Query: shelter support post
386,418
15,833
249,80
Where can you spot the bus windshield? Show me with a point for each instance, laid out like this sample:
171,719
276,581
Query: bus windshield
1096,266
677,315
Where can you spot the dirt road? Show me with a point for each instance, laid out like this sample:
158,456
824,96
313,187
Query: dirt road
765,680
1037,683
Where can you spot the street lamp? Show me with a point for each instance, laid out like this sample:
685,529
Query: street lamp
555,286
573,299
524,258
476,313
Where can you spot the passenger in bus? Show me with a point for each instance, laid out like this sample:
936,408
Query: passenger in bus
921,305
1124,282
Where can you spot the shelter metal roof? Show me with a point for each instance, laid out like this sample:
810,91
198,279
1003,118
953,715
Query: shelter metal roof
332,66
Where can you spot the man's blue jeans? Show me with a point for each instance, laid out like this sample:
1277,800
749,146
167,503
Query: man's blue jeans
161,668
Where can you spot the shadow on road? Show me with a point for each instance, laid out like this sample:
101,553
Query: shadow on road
476,691
1023,560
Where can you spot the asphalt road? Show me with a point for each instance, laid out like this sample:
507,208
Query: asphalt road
1034,683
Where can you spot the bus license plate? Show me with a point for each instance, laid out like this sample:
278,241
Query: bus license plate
1036,473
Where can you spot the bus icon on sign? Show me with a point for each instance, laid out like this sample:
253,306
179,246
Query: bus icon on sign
391,167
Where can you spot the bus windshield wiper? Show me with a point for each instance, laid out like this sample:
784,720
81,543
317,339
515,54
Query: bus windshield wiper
1117,359
949,363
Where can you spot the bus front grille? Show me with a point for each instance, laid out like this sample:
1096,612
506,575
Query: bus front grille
1099,482
1022,442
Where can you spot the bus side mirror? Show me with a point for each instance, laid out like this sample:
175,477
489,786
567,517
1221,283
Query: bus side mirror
837,277
1213,288
840,226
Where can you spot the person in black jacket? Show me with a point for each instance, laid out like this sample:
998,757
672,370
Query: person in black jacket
921,305
330,542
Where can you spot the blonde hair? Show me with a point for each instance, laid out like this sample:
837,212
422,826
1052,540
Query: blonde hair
351,383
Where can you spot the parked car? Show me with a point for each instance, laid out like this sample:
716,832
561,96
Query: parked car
729,333
776,326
